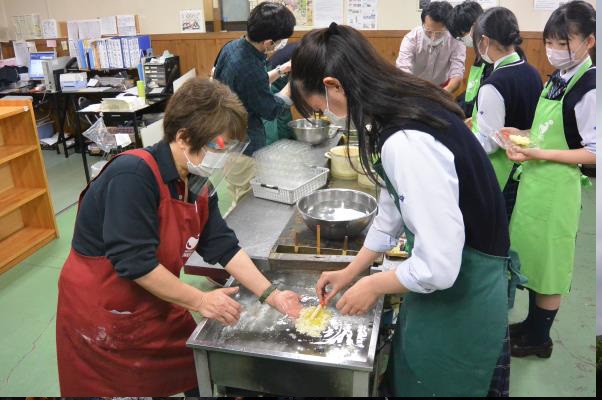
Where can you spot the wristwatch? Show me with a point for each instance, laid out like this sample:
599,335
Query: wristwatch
279,70
267,294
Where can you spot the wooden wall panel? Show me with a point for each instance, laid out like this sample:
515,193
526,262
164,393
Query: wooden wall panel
199,50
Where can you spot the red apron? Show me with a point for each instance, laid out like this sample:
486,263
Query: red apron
113,337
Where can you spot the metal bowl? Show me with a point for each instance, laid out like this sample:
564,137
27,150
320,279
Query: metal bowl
339,212
313,131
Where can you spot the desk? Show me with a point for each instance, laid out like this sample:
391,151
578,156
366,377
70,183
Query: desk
55,99
153,105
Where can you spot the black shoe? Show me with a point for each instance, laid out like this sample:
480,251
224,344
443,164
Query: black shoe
517,331
520,348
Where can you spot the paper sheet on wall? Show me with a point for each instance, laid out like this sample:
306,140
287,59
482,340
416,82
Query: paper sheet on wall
126,25
50,29
192,21
545,5
72,30
548,5
362,14
327,11
89,29
108,25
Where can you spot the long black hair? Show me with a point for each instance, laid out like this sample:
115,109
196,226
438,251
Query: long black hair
499,24
574,18
378,94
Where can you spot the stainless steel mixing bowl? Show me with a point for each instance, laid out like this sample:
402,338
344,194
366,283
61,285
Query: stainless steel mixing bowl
339,212
313,131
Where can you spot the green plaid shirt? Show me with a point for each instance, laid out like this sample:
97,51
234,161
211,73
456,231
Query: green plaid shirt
243,68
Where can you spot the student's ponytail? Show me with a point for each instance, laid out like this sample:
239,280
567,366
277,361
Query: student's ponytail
499,24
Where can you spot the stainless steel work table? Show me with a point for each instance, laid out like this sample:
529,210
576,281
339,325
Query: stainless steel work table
263,352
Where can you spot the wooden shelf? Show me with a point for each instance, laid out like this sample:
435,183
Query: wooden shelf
6,112
14,198
27,220
8,153
22,244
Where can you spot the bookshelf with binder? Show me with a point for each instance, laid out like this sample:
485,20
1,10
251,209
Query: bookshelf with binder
112,53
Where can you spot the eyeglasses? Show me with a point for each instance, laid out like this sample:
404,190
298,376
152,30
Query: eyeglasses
434,34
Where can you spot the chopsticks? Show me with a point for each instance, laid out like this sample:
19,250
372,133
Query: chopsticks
318,239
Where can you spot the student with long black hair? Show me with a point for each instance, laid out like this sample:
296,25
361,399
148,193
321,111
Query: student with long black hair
548,206
508,97
441,188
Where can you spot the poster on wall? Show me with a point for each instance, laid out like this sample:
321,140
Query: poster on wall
192,21
362,14
302,9
327,12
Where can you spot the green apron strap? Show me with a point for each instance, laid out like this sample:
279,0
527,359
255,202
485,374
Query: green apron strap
474,82
515,278
475,110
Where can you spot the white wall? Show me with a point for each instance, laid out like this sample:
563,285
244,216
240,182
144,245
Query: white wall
404,14
162,16
156,16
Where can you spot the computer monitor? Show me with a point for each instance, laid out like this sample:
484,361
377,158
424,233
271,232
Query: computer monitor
36,70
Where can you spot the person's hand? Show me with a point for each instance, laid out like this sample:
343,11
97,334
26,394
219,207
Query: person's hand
337,280
218,305
286,67
468,122
286,91
520,154
359,298
286,302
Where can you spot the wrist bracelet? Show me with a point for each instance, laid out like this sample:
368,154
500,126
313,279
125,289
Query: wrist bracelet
267,294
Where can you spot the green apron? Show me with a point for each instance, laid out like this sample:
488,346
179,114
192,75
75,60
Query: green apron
544,224
474,82
501,164
448,343
278,128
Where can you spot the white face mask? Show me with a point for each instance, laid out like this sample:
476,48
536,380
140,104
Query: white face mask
433,43
467,40
563,59
211,162
484,56
334,119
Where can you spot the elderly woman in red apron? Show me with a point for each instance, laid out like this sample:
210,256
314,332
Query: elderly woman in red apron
123,315
548,206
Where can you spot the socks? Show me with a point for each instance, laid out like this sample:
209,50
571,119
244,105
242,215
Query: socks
539,326
532,305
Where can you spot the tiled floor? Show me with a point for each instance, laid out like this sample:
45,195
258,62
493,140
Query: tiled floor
28,296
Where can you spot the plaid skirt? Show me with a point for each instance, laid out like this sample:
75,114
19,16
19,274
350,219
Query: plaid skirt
500,383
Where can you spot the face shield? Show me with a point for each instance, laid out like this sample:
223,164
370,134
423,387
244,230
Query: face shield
219,161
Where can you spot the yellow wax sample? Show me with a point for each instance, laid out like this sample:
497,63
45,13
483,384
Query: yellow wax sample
520,140
313,326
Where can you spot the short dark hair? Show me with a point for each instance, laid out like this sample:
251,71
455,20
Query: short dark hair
438,11
270,20
204,109
574,18
463,17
